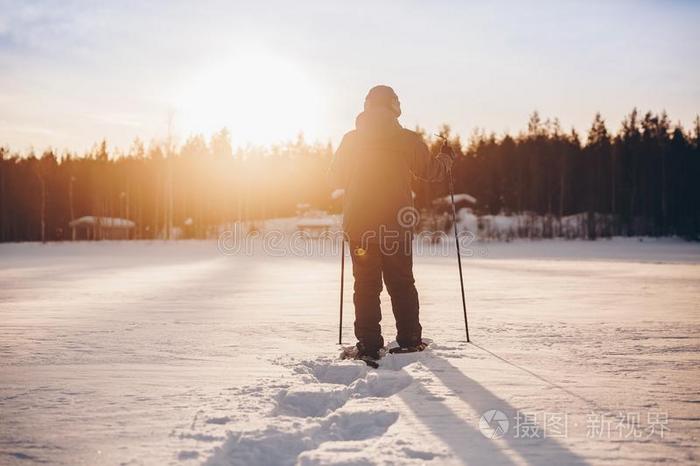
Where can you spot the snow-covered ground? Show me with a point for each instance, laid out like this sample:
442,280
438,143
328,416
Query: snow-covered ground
174,353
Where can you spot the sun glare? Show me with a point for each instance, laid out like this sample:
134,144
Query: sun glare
259,97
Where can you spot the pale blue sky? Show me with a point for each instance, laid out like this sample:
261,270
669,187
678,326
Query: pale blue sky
74,72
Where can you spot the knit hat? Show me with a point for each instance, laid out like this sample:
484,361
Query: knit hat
383,96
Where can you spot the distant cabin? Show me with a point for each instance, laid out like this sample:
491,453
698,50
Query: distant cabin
96,228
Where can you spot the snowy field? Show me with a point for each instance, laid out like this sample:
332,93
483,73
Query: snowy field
174,353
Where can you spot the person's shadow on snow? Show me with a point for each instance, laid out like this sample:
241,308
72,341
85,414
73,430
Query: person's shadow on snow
468,443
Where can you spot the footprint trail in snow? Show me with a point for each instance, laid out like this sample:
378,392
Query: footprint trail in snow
331,412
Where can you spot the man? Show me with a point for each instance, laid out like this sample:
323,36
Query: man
375,164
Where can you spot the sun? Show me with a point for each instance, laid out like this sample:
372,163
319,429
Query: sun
260,97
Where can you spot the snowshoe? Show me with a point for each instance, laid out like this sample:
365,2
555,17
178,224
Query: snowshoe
371,362
409,349
369,358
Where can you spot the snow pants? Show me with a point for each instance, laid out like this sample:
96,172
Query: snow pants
370,263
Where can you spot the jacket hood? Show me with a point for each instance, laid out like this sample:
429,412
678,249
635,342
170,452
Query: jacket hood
377,121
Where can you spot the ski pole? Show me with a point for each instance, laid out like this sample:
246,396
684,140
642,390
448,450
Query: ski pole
342,283
459,255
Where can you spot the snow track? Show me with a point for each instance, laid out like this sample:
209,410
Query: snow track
332,407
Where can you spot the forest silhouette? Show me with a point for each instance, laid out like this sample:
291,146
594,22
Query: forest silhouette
643,179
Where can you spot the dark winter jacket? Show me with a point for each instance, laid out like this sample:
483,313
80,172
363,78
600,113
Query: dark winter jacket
375,164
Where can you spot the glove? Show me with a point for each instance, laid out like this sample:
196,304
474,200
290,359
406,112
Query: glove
446,156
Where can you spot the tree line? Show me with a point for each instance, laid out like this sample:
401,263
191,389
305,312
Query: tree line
644,178
201,185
